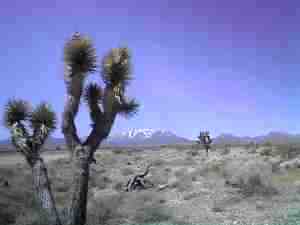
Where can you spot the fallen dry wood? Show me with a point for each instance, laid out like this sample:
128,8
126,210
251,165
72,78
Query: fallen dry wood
139,182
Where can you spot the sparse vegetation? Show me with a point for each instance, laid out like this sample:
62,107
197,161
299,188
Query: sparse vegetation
252,177
266,151
127,171
226,150
189,186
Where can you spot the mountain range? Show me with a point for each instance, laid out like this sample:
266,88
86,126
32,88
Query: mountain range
132,137
141,137
274,137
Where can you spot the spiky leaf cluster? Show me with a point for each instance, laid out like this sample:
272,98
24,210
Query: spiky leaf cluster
116,68
42,116
80,54
16,110
129,108
204,138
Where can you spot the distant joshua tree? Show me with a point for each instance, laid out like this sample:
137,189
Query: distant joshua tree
19,118
205,140
104,105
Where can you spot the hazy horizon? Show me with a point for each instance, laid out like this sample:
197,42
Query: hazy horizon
226,67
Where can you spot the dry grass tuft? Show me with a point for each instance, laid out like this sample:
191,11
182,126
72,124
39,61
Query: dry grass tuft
252,177
127,171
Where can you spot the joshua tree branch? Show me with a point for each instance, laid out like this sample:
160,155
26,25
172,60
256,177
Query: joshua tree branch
104,121
20,139
74,90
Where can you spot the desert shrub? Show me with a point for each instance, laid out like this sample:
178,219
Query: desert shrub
251,150
117,151
7,172
168,169
106,159
250,145
287,151
7,214
138,158
158,176
105,209
189,160
225,151
180,172
33,219
217,206
98,170
127,171
201,171
143,207
191,195
163,146
62,161
267,144
151,214
275,162
182,184
159,162
267,151
101,181
61,187
210,167
119,186
193,152
252,177
293,152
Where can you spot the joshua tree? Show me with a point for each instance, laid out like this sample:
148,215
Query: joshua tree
205,140
18,118
104,105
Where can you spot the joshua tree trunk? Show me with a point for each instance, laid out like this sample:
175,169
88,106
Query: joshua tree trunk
81,165
43,190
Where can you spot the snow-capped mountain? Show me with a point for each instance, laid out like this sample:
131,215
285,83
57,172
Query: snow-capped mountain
144,137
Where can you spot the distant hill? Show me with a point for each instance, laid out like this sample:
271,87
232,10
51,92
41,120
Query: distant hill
132,137
148,137
273,137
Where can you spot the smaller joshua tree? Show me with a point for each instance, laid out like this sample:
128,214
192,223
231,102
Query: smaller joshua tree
205,140
18,118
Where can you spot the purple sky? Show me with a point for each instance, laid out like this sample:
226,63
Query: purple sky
225,66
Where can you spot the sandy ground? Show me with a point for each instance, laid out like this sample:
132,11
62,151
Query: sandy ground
192,195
